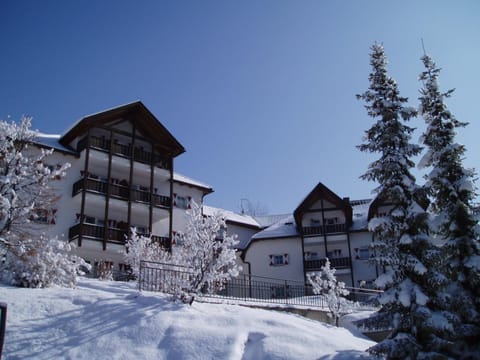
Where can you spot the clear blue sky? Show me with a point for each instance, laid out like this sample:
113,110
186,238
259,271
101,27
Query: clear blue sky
260,93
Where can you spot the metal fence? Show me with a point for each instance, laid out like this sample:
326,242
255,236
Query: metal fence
244,288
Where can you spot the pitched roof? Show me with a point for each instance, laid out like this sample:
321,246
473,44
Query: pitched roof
281,229
182,179
51,141
322,192
231,216
145,121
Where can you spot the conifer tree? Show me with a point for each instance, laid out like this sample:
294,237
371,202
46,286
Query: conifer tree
401,245
452,190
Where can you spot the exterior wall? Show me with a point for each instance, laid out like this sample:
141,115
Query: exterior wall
363,271
124,182
258,255
189,193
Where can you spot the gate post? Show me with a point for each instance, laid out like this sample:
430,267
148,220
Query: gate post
3,324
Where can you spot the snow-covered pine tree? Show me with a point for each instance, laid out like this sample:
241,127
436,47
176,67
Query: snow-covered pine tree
402,248
209,253
452,190
325,283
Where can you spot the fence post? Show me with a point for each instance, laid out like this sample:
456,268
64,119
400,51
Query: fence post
140,276
3,324
286,293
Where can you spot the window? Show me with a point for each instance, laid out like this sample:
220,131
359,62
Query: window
312,255
314,222
43,216
331,221
182,202
366,284
362,253
278,260
90,220
39,216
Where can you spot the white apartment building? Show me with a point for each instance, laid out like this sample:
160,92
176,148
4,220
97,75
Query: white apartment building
323,225
122,176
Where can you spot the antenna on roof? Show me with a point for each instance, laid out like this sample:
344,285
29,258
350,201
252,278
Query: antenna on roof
423,47
242,209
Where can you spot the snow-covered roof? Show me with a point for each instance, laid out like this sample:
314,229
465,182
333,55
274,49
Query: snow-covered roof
182,179
52,141
360,214
75,124
231,216
268,220
285,227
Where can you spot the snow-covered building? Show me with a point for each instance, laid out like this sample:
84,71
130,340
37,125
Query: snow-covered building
323,225
121,176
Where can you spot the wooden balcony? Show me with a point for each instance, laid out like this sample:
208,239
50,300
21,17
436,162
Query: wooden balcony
120,192
337,263
324,229
138,153
97,232
113,234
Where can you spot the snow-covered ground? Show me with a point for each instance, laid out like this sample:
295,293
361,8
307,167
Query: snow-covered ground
111,320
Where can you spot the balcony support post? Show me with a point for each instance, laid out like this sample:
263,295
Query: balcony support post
108,191
152,173
324,228
130,180
84,192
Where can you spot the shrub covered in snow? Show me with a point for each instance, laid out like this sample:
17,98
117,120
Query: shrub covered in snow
28,258
41,262
139,247
207,250
202,260
325,283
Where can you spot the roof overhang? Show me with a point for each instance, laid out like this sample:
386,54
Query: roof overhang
143,119
322,192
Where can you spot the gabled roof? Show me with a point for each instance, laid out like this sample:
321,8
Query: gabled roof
185,180
322,192
232,217
382,199
138,113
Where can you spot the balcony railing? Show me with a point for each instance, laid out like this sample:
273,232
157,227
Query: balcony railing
97,232
113,234
120,192
337,263
324,229
140,155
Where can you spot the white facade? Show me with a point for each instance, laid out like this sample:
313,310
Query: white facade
121,176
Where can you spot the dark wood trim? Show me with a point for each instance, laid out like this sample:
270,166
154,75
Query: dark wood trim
84,192
324,209
149,124
350,256
130,179
108,192
324,233
152,183
170,220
